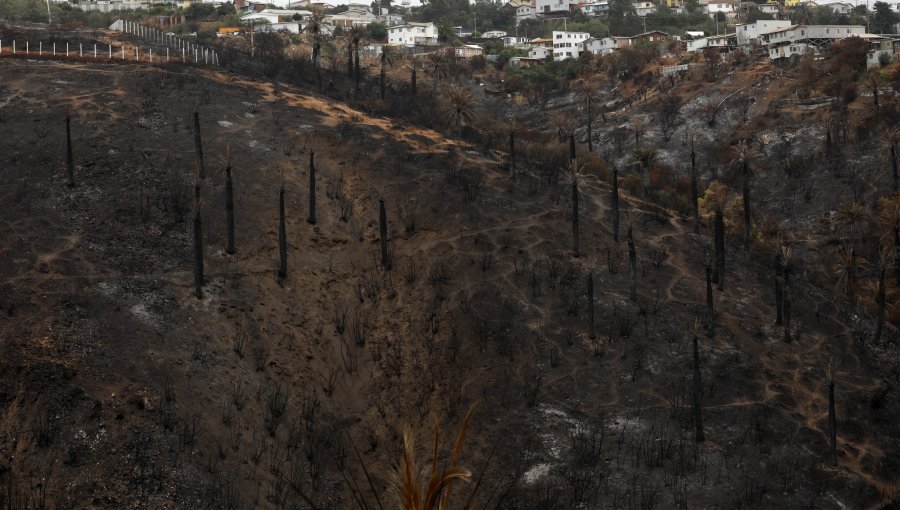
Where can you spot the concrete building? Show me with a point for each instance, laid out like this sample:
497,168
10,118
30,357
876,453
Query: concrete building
524,12
413,34
468,51
277,16
568,45
644,8
600,46
722,42
493,34
798,39
748,33
596,8
551,7
726,7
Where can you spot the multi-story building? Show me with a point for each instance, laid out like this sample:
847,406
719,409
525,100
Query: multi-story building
749,33
596,8
798,39
568,45
644,8
413,34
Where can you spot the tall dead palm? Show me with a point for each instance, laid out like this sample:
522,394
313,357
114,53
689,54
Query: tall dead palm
882,264
587,87
846,269
460,107
850,217
387,59
314,27
356,36
745,159
891,140
647,157
437,67
889,224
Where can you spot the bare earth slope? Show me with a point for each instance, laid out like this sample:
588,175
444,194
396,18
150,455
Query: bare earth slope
120,389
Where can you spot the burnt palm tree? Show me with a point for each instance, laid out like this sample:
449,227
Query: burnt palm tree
311,219
198,251
787,263
632,257
198,144
847,269
699,436
356,36
695,203
891,140
745,158
889,219
387,59
882,263
460,107
718,200
314,26
832,414
588,88
229,203
437,64
590,296
615,203
70,161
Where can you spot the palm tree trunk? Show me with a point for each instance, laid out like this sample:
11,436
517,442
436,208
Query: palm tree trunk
695,203
512,153
745,189
572,149
897,254
229,209
282,237
787,305
589,136
719,274
198,254
316,49
710,307
350,60
382,220
832,423
312,189
381,83
698,389
575,252
590,295
198,145
412,81
779,291
632,264
358,71
615,204
894,171
880,301
70,161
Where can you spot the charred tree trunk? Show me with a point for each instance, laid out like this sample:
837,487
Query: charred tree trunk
786,305
779,291
575,251
312,189
695,203
70,160
382,220
198,254
710,307
381,80
897,254
589,122
317,48
698,390
719,274
615,203
358,71
412,81
880,301
572,149
745,191
895,174
229,209
632,264
512,153
282,237
590,295
350,60
198,145
832,422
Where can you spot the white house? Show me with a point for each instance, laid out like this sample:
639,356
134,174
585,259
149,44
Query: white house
540,52
492,34
773,9
600,46
840,8
412,34
568,44
798,39
551,7
596,8
468,51
277,15
644,8
724,6
512,41
524,12
748,33
722,42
